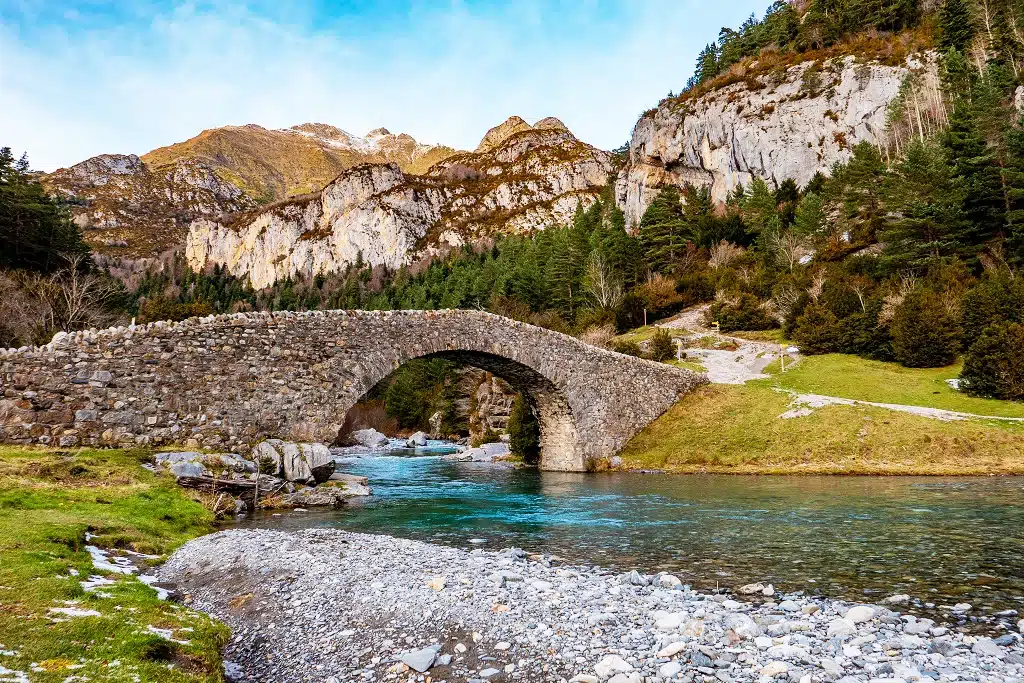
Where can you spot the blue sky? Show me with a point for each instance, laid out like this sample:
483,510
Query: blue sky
94,76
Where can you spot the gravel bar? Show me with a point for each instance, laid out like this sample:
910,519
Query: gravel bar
332,606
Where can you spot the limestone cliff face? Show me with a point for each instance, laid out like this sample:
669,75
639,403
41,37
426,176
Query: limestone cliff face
776,125
125,208
532,178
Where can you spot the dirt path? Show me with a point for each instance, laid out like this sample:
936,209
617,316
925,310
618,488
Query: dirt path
744,361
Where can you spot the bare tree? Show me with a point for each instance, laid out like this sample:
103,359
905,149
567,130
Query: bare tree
896,297
787,248
724,253
601,284
79,298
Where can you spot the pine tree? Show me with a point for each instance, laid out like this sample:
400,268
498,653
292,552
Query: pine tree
662,230
810,215
973,162
956,25
36,232
760,208
707,64
929,202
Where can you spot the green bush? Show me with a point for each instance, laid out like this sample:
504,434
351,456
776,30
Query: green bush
524,431
817,330
994,365
746,314
663,347
629,348
924,334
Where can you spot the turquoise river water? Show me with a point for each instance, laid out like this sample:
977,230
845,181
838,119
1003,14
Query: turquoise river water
942,541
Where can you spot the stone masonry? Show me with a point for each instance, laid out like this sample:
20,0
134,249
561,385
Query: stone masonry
229,381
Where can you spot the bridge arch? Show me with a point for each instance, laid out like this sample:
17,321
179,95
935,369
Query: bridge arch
228,381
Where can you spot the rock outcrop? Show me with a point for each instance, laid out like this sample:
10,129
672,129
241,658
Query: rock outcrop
532,178
774,125
127,208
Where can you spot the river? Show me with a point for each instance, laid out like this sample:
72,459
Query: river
940,540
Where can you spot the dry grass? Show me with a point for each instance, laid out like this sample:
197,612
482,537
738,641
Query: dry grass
736,430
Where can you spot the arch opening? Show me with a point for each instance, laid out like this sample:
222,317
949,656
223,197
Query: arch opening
559,435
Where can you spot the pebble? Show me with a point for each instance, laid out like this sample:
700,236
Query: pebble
551,623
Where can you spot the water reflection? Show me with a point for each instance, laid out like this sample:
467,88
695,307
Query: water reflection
941,540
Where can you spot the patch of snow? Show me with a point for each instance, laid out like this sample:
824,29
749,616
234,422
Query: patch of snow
94,582
102,560
166,634
74,612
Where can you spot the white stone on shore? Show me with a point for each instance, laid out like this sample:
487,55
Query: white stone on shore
860,614
610,665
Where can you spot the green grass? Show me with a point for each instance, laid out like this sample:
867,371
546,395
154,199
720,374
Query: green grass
48,501
865,380
688,365
642,334
735,429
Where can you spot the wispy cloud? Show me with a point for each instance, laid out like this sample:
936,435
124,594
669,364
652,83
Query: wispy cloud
92,77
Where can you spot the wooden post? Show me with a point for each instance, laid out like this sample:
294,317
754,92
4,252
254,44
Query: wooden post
645,317
782,358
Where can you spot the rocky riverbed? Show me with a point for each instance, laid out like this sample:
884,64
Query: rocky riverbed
333,606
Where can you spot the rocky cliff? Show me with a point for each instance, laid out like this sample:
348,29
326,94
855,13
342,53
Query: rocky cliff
127,208
137,207
528,177
774,124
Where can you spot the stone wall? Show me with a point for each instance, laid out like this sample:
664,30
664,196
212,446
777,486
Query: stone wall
228,381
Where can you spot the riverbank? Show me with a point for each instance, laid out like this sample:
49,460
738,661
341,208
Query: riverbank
757,428
326,605
66,612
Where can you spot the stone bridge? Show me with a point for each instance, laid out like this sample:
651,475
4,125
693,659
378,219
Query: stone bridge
226,382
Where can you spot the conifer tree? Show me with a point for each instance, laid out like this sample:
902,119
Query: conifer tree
973,162
956,25
662,230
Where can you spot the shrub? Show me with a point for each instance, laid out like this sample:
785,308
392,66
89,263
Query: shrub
629,348
696,288
924,334
161,309
524,431
630,312
817,330
599,336
795,311
663,347
995,365
745,313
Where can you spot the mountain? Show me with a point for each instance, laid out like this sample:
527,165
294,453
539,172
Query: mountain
774,124
527,177
270,165
138,207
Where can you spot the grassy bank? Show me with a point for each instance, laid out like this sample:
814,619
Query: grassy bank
48,502
868,380
735,429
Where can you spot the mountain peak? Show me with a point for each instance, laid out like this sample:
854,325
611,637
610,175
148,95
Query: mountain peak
512,125
378,133
495,136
